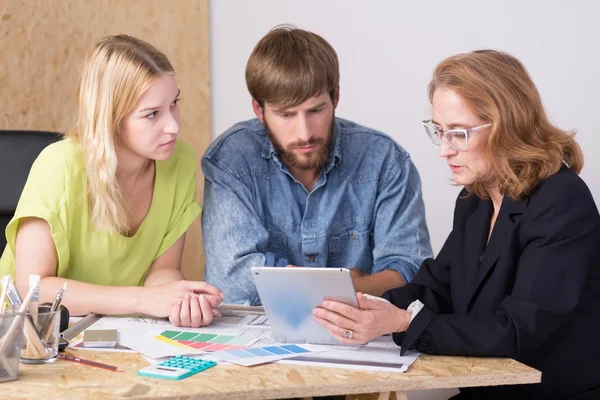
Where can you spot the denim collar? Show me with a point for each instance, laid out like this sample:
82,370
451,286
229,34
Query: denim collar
335,154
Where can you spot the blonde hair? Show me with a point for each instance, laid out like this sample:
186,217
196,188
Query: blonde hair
116,72
523,148
290,65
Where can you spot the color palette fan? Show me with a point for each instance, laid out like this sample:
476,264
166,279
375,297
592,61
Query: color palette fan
260,355
205,341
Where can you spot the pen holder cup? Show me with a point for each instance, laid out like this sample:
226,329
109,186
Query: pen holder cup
41,332
11,337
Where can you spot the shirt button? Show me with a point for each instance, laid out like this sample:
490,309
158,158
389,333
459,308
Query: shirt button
353,236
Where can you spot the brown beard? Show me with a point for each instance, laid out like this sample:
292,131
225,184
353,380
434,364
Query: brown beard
315,160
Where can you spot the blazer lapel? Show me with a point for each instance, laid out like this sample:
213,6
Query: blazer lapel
498,240
475,242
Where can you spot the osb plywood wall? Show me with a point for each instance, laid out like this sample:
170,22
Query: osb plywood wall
42,45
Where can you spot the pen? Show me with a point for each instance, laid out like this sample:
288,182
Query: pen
58,298
70,357
45,329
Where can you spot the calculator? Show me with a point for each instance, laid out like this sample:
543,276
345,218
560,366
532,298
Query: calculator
176,368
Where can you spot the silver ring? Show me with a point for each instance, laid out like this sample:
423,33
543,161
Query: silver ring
348,333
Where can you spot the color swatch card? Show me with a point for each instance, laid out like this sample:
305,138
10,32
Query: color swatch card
170,343
148,345
139,335
205,341
260,355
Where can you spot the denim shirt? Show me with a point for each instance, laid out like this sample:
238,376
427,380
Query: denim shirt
365,211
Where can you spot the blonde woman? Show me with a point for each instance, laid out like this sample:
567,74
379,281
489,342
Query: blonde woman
107,208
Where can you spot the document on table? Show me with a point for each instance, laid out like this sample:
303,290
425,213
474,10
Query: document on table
381,354
156,338
131,328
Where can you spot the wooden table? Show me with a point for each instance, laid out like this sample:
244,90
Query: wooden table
69,380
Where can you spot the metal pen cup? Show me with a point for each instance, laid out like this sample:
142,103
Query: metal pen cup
11,337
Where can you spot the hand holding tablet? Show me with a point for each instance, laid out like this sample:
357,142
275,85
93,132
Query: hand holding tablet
289,296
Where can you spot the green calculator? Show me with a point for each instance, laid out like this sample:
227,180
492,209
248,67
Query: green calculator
176,368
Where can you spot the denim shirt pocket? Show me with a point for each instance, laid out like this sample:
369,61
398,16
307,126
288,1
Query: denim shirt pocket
277,244
352,246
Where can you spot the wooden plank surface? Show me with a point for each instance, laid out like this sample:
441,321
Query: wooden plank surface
68,380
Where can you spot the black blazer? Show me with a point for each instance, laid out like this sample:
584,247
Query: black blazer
532,294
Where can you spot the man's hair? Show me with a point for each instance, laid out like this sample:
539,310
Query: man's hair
289,65
523,148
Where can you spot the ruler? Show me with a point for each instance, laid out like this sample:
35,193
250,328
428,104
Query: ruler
80,326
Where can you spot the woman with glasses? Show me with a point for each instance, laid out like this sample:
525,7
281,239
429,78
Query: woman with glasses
519,275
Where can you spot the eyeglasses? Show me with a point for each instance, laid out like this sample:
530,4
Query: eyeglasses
458,139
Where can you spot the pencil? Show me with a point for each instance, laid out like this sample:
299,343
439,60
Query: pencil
35,347
70,357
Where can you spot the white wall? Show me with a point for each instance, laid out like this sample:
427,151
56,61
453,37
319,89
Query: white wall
388,50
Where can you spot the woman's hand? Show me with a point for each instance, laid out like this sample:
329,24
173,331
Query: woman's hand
353,325
186,303
194,311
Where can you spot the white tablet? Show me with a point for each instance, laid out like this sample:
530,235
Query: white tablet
290,294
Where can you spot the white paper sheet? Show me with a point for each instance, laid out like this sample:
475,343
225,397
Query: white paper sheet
381,354
138,334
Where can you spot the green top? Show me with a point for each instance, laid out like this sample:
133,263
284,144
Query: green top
56,191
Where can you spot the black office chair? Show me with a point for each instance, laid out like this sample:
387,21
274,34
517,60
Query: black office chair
18,151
